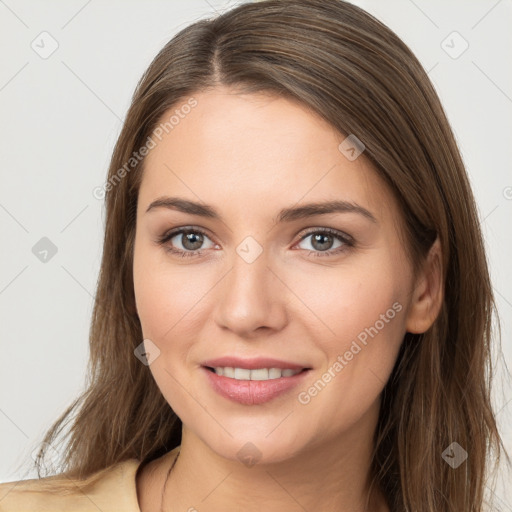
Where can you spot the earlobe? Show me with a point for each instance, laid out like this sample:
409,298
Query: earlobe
428,293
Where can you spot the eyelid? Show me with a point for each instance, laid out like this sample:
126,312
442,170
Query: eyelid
175,231
331,231
346,239
171,233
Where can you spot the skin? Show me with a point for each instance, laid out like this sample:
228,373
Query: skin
249,156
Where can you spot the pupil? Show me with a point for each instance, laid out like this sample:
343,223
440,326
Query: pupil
189,238
319,238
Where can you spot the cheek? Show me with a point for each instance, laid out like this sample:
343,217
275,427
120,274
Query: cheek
363,307
168,300
168,297
349,300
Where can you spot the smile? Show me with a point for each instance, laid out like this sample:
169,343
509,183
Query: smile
253,386
254,374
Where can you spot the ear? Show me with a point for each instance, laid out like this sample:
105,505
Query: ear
428,293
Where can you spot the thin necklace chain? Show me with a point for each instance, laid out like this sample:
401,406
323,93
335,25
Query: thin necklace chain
166,480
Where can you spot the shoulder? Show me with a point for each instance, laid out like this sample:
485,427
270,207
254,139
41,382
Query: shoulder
111,489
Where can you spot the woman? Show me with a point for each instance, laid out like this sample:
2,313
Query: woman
235,360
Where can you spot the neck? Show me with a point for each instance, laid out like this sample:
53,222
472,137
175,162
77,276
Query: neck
328,476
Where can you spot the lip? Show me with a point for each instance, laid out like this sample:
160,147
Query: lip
253,392
253,363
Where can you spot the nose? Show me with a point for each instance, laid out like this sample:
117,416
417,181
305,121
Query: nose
252,298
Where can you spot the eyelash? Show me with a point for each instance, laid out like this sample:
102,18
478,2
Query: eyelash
348,242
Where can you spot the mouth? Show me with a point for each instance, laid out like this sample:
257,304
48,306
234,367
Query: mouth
260,374
256,385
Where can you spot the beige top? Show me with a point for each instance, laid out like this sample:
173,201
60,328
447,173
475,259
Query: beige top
110,490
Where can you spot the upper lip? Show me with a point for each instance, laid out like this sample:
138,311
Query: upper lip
252,363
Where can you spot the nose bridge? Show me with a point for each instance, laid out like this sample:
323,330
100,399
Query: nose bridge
251,296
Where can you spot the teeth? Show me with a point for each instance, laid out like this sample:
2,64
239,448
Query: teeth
227,372
259,374
256,374
242,374
274,373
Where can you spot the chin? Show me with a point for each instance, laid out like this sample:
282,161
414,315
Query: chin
253,446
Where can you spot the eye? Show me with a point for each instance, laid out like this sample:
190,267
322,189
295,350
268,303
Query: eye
323,239
190,239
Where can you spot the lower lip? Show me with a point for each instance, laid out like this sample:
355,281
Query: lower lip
252,392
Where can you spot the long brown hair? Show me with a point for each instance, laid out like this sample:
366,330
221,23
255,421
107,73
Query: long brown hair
349,68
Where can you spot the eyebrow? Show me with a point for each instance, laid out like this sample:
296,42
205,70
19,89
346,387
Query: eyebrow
285,215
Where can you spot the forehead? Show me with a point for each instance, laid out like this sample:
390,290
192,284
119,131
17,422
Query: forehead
256,153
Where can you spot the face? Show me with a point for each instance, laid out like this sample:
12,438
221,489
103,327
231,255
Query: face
301,312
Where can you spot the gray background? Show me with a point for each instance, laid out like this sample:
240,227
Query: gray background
61,116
